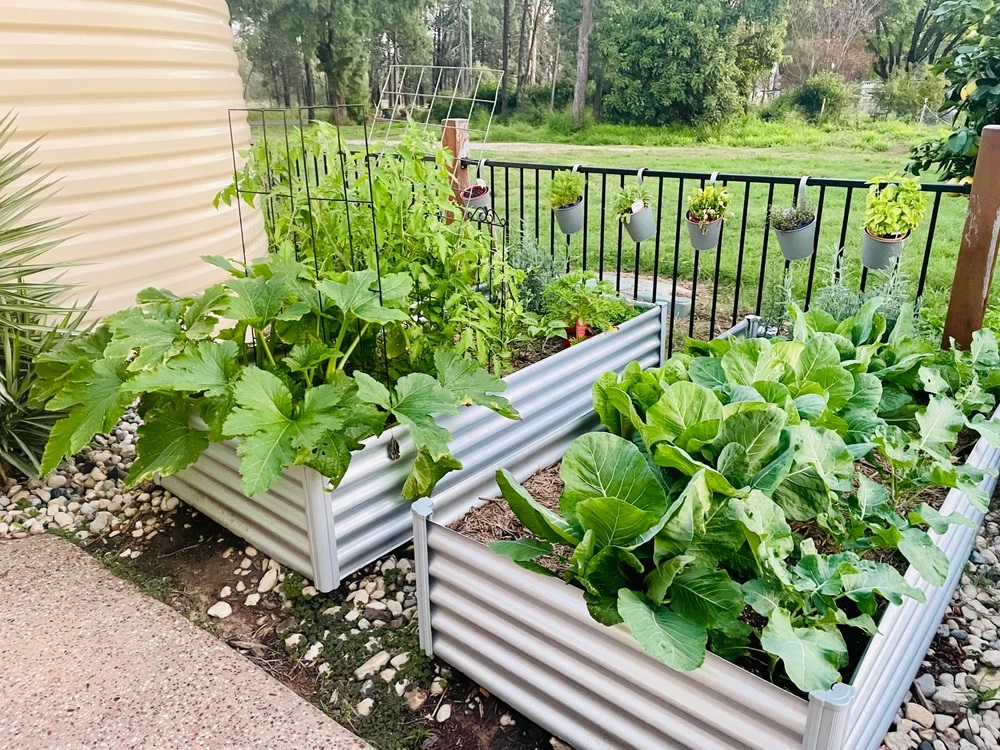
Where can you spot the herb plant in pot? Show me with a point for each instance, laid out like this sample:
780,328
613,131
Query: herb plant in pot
706,212
476,196
586,305
894,207
632,207
795,227
566,197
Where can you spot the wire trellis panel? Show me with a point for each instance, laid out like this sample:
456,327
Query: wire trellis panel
422,96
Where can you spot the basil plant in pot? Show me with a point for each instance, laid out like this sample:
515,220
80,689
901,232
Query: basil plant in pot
566,198
586,305
894,207
632,207
706,212
795,227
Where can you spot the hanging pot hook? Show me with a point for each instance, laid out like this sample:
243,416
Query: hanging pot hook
479,171
638,175
576,167
801,203
713,177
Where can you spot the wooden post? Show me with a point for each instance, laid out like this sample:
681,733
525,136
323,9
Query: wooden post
980,242
455,138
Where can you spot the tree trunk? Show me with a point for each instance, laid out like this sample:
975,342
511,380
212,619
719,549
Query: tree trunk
522,42
599,93
532,69
555,76
505,58
582,59
310,88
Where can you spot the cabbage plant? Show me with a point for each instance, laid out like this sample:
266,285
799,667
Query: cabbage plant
724,507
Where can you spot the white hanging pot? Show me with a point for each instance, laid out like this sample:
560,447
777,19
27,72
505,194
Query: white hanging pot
704,237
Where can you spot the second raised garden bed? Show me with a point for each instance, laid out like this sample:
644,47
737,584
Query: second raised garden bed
326,535
530,640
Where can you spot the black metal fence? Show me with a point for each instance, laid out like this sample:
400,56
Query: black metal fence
747,271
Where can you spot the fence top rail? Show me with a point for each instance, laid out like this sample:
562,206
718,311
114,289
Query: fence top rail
833,182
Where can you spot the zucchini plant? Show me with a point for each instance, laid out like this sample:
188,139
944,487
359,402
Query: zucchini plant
725,508
274,358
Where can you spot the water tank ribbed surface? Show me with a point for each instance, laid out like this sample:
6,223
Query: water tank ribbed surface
132,98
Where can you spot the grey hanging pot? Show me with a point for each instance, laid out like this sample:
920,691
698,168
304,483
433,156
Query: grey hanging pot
707,237
642,225
879,253
798,244
570,218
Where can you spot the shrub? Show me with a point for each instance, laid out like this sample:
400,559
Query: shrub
907,92
825,97
894,206
566,189
33,318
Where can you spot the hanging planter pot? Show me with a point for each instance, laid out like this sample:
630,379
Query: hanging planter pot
704,237
566,198
795,227
641,225
476,196
632,207
879,253
706,214
570,218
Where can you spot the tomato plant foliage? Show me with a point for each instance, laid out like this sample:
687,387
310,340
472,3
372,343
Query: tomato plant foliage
726,508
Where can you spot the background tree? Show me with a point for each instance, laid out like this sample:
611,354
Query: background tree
829,35
914,33
973,94
582,59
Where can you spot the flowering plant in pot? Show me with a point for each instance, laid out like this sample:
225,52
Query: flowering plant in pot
894,207
632,207
566,198
795,227
706,212
586,305
476,196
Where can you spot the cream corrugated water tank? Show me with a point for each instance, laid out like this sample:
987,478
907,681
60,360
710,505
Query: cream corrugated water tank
132,98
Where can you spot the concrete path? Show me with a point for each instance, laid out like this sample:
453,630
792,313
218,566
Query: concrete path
87,662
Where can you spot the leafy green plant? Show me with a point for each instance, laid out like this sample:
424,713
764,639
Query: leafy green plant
708,204
625,198
458,270
566,189
272,358
790,218
894,206
724,471
581,297
972,99
34,317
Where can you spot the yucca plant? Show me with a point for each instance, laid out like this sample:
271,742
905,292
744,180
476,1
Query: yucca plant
34,317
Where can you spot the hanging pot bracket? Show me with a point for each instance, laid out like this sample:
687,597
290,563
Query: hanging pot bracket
800,201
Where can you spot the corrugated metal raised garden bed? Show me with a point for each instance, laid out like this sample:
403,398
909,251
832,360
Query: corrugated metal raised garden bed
327,535
531,640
